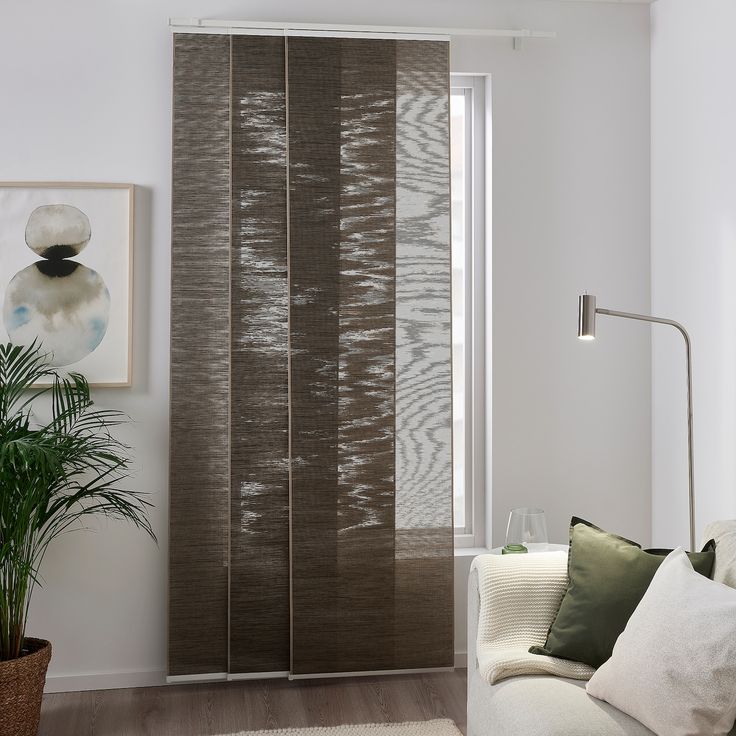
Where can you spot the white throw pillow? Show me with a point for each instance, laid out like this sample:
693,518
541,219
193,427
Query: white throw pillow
674,666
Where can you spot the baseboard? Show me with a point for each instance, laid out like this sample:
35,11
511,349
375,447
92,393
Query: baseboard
153,678
103,681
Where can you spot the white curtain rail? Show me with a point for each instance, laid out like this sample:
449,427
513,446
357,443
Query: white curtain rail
203,25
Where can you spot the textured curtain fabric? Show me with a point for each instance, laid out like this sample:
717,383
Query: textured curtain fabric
311,463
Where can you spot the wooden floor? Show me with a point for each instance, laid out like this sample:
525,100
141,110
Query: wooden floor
226,708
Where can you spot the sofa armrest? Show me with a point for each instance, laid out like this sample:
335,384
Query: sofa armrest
512,601
473,614
724,534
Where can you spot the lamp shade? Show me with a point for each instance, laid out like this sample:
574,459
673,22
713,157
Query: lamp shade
586,317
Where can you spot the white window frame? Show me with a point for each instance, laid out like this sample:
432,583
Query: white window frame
473,534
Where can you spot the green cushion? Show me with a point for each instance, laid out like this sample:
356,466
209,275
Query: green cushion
608,577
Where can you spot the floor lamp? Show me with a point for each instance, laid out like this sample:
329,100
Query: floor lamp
587,311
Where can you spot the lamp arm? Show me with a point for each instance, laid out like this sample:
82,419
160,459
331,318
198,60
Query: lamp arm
686,336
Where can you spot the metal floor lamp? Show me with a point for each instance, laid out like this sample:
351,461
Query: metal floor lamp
587,311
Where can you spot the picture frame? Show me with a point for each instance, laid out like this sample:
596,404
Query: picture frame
66,274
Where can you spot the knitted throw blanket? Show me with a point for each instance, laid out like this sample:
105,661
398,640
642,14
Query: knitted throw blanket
519,598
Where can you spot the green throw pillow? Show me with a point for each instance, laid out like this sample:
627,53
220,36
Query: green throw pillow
608,577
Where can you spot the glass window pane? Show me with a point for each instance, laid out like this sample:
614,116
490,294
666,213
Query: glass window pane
459,174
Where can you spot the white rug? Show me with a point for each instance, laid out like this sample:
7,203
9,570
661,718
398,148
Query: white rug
439,727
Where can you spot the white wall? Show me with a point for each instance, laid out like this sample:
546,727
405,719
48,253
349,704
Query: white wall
86,96
694,258
571,420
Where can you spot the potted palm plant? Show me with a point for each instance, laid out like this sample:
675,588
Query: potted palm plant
59,464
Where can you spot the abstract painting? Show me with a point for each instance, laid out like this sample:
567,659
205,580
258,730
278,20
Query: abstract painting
65,264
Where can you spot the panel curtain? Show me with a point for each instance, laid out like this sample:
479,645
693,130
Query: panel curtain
311,464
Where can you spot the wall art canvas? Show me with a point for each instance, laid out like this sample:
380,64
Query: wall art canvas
65,274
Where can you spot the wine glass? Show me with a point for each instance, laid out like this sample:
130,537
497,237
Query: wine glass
527,527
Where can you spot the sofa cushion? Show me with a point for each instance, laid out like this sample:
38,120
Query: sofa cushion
608,575
674,666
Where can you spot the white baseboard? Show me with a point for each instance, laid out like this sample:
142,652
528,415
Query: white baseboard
154,678
103,681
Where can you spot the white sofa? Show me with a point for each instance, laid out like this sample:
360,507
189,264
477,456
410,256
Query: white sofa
544,705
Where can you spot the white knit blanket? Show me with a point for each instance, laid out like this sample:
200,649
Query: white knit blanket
519,598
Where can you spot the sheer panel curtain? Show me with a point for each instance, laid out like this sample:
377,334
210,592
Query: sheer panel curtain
311,474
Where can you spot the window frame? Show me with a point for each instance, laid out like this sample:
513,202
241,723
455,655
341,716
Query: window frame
476,90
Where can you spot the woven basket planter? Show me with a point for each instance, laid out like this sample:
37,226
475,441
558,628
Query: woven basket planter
21,688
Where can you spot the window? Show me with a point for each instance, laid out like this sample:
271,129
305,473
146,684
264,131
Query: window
468,124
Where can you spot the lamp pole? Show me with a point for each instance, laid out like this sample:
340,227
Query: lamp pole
587,311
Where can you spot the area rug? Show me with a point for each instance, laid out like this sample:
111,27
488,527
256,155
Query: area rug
438,727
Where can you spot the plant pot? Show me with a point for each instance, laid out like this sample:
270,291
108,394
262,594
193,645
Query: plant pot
21,689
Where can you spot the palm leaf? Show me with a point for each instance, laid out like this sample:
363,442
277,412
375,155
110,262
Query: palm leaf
53,476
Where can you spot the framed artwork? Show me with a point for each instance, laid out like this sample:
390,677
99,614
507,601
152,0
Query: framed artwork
66,258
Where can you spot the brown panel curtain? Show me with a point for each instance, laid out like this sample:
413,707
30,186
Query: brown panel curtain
311,482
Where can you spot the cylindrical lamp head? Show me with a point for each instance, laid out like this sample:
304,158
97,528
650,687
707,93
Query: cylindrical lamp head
586,317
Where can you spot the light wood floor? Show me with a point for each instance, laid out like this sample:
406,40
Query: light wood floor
225,708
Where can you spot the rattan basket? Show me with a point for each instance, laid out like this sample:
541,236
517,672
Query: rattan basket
21,688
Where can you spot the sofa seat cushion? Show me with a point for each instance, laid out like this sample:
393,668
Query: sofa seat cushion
543,706
540,705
